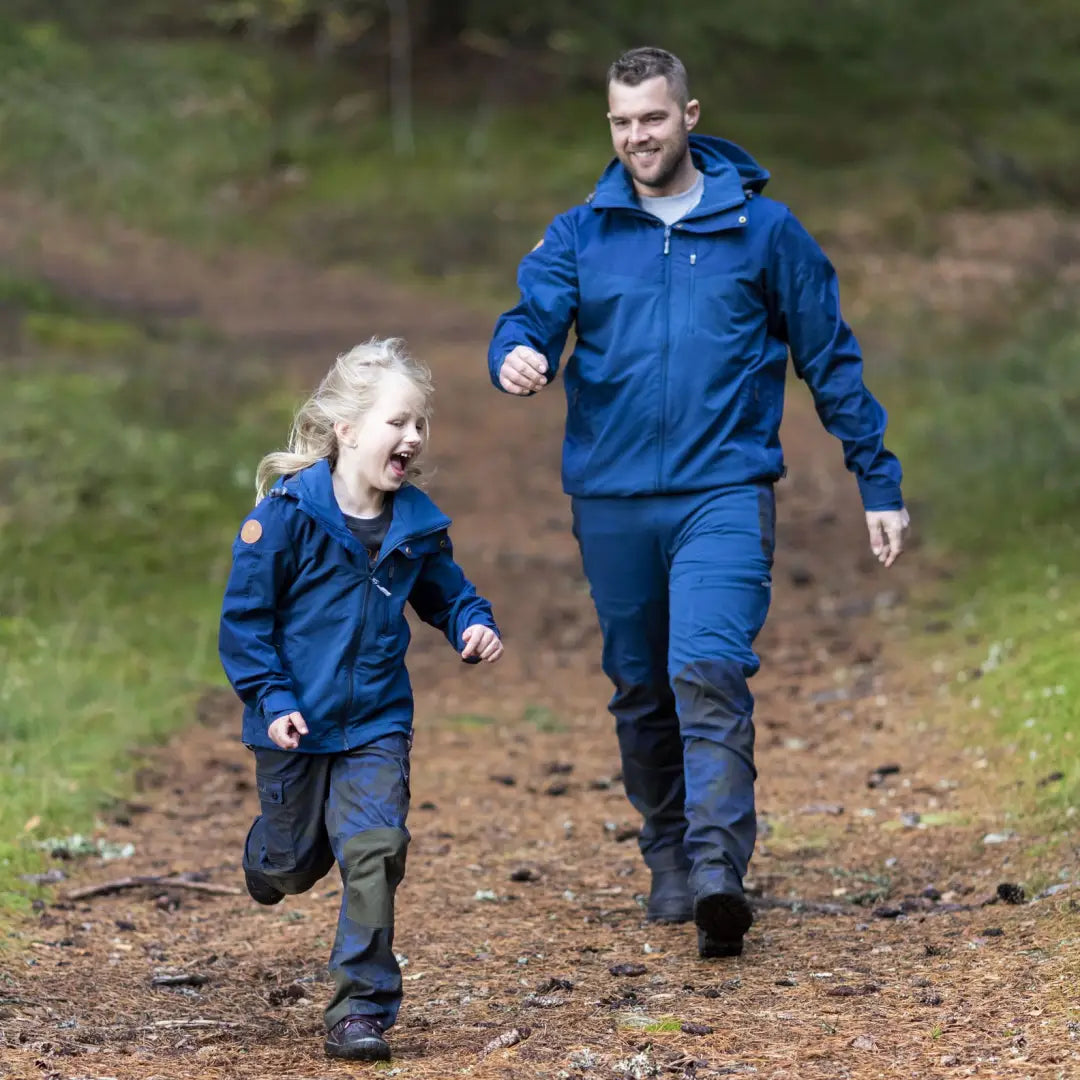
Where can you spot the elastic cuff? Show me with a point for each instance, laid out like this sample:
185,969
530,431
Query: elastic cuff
278,703
879,496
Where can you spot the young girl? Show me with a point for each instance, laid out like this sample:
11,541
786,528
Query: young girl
313,639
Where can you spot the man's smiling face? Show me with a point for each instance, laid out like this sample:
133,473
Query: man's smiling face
650,132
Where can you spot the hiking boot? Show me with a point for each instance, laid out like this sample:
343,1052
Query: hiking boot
670,899
722,918
357,1038
260,890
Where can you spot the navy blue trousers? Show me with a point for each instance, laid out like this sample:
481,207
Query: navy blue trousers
681,585
350,808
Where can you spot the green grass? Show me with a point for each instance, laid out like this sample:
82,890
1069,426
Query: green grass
124,479
220,143
989,436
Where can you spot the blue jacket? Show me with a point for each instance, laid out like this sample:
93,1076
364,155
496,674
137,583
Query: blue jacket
676,380
307,626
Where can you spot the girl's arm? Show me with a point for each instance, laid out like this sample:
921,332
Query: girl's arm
445,598
262,566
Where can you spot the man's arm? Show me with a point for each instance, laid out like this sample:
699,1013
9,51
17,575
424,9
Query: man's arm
529,338
804,306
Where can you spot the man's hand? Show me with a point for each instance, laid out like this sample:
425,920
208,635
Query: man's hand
887,528
524,371
482,642
285,731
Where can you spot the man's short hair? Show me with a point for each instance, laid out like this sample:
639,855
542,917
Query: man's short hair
637,65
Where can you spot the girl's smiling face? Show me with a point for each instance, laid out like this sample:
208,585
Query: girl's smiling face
378,448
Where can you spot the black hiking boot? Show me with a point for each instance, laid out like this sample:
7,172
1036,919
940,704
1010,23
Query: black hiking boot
722,918
670,899
357,1038
260,890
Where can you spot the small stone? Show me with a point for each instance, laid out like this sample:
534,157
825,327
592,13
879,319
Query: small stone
558,768
910,820
833,809
863,1042
503,778
548,986
696,1029
428,805
627,969
993,931
544,1001
928,997
487,895
930,893
950,1061
525,873
557,788
999,837
785,982
887,912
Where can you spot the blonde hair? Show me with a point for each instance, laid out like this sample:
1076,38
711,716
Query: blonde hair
345,394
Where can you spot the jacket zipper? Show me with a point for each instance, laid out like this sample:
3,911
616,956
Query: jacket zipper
352,661
664,360
691,320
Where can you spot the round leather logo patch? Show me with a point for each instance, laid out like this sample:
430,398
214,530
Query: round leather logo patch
251,531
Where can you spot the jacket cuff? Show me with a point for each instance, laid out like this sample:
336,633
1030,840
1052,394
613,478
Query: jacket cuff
880,495
278,702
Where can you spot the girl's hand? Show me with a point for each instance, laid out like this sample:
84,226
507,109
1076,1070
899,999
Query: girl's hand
481,642
285,731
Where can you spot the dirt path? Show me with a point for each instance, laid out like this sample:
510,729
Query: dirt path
515,770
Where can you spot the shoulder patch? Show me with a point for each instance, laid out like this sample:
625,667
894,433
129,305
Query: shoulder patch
251,531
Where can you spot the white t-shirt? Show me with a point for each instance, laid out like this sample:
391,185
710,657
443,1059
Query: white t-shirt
672,208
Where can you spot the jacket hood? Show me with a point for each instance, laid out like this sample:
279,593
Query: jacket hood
729,171
415,514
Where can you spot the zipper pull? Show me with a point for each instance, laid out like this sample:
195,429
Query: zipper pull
667,240
693,257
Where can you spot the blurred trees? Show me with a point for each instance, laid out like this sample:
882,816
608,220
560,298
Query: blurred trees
949,56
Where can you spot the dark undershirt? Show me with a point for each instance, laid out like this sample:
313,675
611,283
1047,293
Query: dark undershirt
371,532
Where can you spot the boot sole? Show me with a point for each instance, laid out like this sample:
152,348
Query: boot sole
722,919
684,915
375,1050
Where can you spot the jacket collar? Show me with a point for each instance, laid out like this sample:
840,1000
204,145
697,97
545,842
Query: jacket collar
730,174
415,514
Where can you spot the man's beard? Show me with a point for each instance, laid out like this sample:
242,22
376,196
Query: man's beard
667,173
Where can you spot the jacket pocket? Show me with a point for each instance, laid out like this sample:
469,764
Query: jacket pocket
767,521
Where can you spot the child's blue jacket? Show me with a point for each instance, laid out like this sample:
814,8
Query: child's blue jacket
307,626
676,380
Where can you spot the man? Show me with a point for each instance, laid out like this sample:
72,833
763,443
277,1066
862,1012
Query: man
687,289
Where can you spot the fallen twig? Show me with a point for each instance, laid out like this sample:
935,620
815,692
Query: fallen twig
118,884
192,979
189,1024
